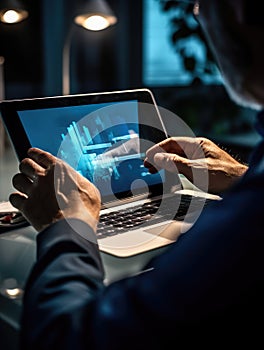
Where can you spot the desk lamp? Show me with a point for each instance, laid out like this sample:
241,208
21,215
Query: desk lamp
95,15
12,11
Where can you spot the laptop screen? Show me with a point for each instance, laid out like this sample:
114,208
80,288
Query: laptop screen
104,136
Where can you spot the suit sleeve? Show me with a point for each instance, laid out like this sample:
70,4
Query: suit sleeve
66,278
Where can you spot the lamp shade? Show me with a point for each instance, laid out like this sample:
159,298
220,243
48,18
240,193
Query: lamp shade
12,11
95,15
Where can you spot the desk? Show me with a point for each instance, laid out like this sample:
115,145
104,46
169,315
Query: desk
17,256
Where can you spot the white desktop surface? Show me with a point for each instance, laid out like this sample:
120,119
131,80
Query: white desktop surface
17,256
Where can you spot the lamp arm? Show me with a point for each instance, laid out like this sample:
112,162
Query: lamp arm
66,64
2,79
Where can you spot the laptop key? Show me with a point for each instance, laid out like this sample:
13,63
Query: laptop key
125,220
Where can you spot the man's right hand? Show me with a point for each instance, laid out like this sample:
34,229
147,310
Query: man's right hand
196,155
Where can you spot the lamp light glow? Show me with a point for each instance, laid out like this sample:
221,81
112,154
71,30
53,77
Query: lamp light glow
11,11
14,292
94,22
10,289
11,16
96,15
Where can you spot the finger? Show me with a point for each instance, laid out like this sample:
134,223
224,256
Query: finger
30,168
151,168
22,183
170,162
182,145
169,145
153,150
18,200
43,158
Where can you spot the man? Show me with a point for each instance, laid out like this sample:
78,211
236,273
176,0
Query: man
207,288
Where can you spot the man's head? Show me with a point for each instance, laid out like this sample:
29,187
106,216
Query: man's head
235,32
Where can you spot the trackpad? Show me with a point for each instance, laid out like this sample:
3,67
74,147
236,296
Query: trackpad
170,231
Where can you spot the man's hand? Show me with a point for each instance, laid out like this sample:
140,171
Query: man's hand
189,156
49,190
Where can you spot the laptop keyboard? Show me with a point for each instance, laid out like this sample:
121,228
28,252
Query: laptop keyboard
156,211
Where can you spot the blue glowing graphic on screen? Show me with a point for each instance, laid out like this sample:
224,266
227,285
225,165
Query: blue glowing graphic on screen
100,141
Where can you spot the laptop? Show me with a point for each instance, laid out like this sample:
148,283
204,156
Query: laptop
105,136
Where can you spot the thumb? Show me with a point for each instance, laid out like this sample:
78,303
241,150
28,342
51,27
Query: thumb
167,161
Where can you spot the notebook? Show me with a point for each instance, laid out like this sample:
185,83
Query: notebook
104,136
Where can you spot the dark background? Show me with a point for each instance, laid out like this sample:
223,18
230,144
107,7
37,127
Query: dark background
104,60
109,60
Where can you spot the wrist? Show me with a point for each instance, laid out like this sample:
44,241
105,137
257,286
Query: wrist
84,215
